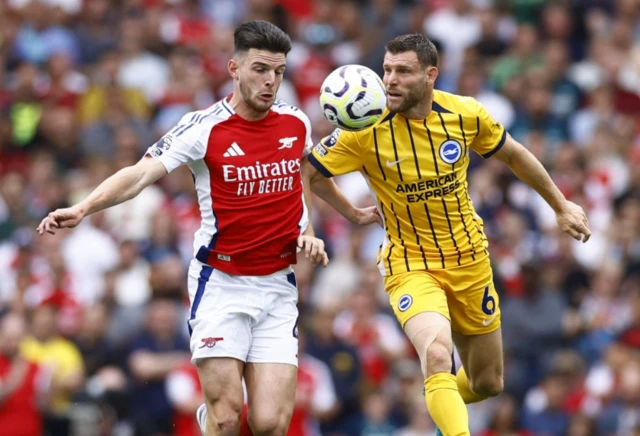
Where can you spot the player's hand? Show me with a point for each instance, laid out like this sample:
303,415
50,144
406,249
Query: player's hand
313,249
572,220
60,219
366,216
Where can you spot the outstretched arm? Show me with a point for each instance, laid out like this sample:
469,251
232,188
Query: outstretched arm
120,187
571,218
327,189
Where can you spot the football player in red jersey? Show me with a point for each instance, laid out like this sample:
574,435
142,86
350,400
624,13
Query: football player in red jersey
245,153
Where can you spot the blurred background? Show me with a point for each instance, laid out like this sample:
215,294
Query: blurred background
93,340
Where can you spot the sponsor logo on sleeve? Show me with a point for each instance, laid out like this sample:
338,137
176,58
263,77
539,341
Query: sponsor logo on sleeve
321,150
332,139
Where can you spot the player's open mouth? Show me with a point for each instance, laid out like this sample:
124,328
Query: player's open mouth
266,96
393,95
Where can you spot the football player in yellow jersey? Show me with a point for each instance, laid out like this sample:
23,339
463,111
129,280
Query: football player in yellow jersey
434,257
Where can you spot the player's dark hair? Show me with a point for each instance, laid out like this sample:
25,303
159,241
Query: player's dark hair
424,48
261,35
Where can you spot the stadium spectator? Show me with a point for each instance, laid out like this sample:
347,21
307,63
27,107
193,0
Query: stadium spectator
86,87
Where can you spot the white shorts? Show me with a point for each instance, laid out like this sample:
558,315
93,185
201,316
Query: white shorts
249,318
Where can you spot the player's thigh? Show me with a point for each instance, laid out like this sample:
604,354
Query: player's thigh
481,356
416,292
271,390
420,305
271,371
472,298
430,334
221,314
221,381
475,320
275,335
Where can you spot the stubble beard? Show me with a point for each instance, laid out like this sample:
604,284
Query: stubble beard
414,97
257,106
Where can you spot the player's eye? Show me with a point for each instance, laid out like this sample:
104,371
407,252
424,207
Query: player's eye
279,72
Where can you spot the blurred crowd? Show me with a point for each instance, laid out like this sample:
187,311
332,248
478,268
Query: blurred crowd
93,337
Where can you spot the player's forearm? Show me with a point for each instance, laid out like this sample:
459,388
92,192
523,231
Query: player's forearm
120,187
528,169
329,192
306,190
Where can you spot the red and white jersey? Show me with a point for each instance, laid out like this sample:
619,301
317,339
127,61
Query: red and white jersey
247,177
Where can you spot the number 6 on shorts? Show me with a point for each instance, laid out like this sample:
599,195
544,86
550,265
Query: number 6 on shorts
488,302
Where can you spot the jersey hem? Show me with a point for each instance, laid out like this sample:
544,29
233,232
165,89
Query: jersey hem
399,263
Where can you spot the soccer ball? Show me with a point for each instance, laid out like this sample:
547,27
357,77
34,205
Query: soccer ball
353,97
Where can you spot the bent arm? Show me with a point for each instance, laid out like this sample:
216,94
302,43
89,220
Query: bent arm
529,169
123,185
326,189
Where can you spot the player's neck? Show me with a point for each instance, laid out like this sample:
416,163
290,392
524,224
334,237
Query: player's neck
245,111
419,111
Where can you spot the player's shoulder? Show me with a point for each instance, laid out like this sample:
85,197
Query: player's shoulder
446,102
214,114
366,134
284,108
352,138
200,122
382,121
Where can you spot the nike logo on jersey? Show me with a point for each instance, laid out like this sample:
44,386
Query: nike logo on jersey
395,162
234,150
486,322
287,142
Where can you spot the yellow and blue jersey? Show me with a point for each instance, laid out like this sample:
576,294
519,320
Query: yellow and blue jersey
417,171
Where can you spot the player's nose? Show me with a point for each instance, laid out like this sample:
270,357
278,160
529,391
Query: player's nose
270,79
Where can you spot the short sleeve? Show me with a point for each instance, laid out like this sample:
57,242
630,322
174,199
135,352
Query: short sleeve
183,144
491,134
308,146
337,154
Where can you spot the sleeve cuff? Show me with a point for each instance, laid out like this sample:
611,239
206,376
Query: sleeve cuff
497,147
167,165
316,163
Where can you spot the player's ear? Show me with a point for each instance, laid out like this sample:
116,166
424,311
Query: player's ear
233,66
432,75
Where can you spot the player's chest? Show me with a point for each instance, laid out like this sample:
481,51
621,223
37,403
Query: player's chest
242,145
260,160
415,153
